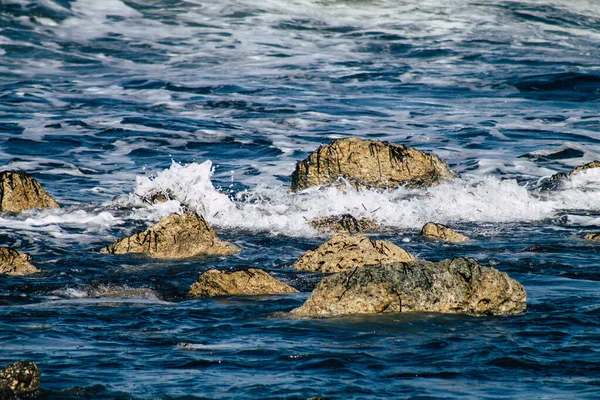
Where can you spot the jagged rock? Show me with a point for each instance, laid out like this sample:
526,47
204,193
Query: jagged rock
13,262
555,180
435,231
22,377
249,282
370,164
19,191
449,286
344,223
344,252
592,236
175,236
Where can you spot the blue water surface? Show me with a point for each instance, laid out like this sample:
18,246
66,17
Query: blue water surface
96,97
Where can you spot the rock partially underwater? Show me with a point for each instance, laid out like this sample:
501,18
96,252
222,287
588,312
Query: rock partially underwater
248,282
441,232
19,191
593,236
345,252
13,262
344,223
173,237
556,180
370,164
19,379
449,286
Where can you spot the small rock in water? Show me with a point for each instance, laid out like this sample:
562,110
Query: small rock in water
435,231
175,236
370,164
540,248
345,252
592,236
13,262
248,282
22,377
344,223
19,191
449,286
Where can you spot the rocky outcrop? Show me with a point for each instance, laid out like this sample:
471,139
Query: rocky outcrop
450,286
592,236
13,262
555,180
345,252
370,164
249,282
19,191
22,378
175,236
344,223
435,231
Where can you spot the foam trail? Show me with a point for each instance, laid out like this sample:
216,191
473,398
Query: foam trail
278,211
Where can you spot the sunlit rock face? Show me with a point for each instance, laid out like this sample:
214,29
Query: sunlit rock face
19,191
370,164
459,286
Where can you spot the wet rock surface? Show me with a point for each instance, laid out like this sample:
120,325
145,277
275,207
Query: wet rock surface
441,232
449,286
344,223
22,377
173,237
19,191
345,252
554,182
593,236
247,282
370,164
15,263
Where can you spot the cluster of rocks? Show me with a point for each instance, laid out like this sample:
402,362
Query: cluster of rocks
363,275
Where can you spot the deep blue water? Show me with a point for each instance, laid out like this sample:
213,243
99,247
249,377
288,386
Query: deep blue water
103,101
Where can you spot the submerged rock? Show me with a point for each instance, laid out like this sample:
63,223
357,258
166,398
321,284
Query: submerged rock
13,262
370,164
435,231
555,180
344,223
22,377
592,236
249,282
175,236
449,286
345,252
19,191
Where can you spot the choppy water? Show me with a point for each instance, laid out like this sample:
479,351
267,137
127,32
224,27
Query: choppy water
104,100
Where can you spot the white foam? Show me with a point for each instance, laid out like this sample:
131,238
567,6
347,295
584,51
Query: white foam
278,211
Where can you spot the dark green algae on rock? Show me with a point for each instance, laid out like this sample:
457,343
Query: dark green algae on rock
458,286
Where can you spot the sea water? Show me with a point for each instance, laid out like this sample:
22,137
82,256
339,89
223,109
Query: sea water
215,101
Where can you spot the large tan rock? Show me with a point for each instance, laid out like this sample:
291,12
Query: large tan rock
22,377
175,236
449,286
248,282
344,223
19,191
592,236
370,164
345,252
13,262
435,231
